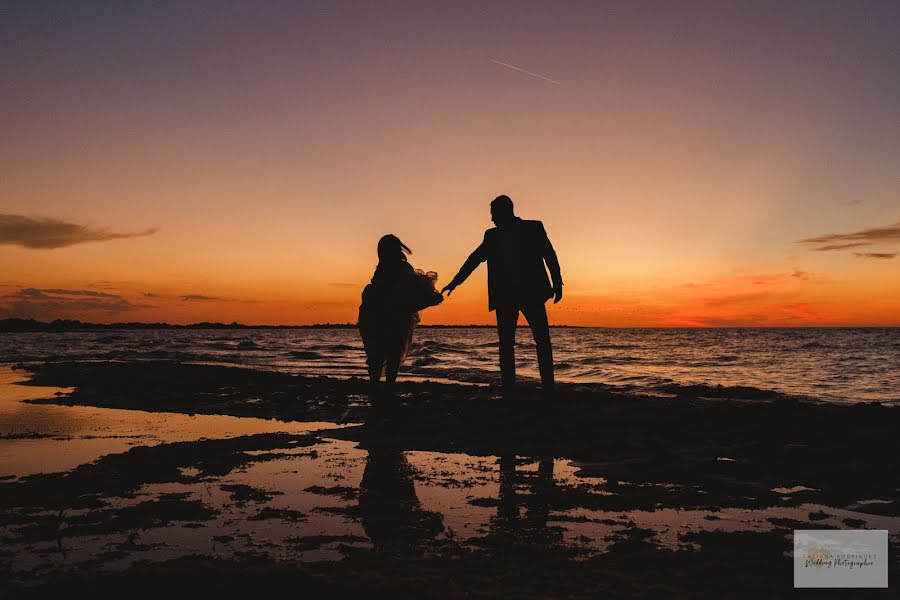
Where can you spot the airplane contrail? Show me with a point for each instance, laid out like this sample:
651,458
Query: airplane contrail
521,70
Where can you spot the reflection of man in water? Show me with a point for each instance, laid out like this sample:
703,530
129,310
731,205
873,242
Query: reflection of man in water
391,512
516,251
512,527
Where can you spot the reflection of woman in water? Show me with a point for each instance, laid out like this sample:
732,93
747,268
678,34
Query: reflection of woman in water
391,512
390,310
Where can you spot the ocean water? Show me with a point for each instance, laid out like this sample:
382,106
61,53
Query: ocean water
843,365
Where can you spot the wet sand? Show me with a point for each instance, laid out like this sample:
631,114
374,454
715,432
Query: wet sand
457,493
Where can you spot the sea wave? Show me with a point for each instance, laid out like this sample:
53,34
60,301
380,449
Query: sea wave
305,354
834,365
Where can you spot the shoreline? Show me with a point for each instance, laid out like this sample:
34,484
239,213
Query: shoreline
581,423
16,325
456,492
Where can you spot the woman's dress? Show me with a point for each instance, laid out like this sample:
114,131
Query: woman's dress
389,313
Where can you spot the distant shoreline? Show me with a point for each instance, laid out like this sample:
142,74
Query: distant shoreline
63,325
66,325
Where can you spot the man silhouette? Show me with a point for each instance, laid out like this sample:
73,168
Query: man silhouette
515,251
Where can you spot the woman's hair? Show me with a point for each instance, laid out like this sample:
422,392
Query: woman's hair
390,249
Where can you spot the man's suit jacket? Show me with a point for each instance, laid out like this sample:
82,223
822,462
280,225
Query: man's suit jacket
520,278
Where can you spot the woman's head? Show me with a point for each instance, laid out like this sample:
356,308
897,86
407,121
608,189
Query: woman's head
390,248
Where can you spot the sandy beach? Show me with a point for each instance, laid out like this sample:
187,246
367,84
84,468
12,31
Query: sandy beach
211,479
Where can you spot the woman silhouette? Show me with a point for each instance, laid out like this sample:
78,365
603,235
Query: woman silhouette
390,311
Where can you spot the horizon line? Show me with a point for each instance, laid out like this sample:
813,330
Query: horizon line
75,323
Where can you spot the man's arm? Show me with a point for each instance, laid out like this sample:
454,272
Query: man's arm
476,258
552,261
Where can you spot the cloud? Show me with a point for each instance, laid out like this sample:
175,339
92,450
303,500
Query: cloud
729,299
200,298
865,237
856,202
326,304
841,246
56,303
194,298
885,255
47,233
729,283
731,314
521,70
47,293
108,285
800,310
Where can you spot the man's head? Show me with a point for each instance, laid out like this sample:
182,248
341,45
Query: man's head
502,210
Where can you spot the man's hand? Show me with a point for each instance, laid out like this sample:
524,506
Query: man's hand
448,289
557,294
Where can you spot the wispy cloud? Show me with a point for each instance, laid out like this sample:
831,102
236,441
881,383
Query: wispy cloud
201,298
885,255
326,304
34,292
740,298
744,299
176,297
865,237
767,280
56,303
525,71
108,285
828,247
46,233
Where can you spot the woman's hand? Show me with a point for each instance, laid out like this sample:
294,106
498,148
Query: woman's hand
448,288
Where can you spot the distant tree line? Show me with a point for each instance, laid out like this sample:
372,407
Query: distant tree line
31,325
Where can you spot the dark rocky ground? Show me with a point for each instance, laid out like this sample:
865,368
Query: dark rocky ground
687,452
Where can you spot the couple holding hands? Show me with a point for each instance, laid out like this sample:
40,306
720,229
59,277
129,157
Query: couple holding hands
516,251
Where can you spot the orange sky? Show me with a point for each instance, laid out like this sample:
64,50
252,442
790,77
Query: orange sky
678,159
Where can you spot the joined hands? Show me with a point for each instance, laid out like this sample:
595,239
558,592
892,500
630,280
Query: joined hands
557,292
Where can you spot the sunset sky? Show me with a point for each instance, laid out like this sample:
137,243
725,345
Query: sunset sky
694,163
